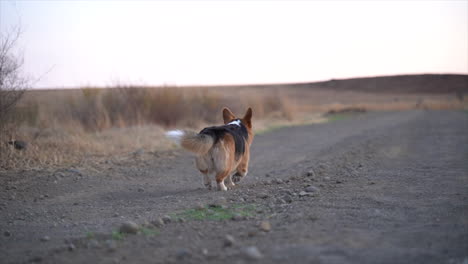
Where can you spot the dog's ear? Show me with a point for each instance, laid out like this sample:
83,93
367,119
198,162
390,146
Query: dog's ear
228,116
248,117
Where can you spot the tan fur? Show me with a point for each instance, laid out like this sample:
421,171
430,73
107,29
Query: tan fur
219,159
197,143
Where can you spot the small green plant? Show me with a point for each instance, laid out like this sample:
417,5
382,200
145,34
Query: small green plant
149,231
90,235
216,213
116,235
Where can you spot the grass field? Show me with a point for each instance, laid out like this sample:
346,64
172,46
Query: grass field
73,126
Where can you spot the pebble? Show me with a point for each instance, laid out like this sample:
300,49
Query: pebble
265,226
287,198
312,189
302,193
74,171
166,219
141,190
71,247
220,202
338,181
7,233
263,195
229,241
311,173
199,206
45,238
278,181
238,217
252,253
280,201
158,222
129,228
183,253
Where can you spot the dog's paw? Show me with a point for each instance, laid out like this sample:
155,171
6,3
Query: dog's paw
236,177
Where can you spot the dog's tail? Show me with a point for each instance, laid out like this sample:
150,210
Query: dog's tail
199,144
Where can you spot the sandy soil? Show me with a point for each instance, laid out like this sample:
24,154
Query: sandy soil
387,188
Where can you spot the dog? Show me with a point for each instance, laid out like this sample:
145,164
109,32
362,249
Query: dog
222,150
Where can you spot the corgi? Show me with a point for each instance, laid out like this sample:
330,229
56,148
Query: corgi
220,150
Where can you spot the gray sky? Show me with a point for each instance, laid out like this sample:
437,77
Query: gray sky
77,43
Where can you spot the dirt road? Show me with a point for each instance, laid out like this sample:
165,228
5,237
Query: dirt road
373,188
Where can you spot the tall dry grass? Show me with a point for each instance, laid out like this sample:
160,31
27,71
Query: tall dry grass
64,127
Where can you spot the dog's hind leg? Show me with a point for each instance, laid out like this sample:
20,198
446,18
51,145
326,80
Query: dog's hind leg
220,180
206,179
203,166
229,181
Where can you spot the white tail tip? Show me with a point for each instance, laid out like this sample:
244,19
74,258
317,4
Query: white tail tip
175,135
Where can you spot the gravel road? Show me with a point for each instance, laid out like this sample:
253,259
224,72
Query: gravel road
383,187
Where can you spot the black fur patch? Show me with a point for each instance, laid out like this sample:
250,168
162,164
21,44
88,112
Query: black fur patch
239,133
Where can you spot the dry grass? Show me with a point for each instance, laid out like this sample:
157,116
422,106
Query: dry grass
70,127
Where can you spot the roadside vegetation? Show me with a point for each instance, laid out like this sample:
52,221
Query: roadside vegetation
72,127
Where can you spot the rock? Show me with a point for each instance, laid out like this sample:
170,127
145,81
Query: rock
74,171
71,247
45,238
252,253
302,193
278,181
338,181
312,189
265,226
229,241
129,228
141,190
251,233
238,217
310,173
280,201
326,178
183,253
263,195
220,202
199,206
166,219
287,198
158,222
7,233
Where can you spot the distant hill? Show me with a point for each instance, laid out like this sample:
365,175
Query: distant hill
426,83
